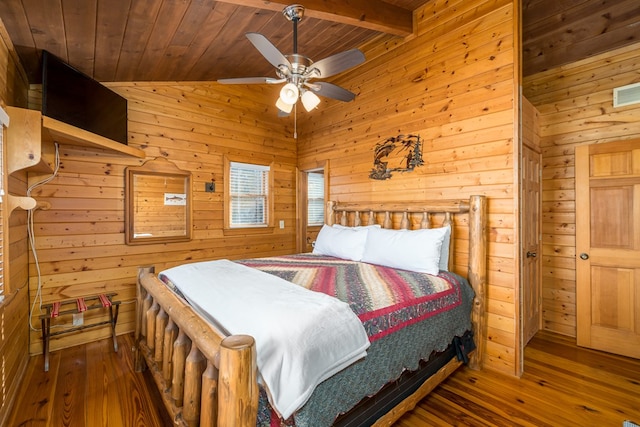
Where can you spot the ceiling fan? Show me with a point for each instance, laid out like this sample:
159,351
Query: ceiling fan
298,72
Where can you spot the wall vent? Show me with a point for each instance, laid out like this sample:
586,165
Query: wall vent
626,95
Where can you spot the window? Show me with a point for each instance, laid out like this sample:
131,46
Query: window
315,198
248,195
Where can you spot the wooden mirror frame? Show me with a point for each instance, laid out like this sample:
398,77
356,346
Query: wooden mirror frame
173,203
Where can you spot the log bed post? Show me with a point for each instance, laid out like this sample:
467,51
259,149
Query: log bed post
478,274
208,406
170,336
237,388
181,349
329,215
141,296
195,365
161,323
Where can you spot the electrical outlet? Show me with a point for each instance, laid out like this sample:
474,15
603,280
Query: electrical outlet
78,319
210,187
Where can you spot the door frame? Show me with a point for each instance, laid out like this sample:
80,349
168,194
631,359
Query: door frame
301,199
528,137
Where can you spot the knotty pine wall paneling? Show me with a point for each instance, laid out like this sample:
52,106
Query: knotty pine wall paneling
453,84
575,103
14,335
80,240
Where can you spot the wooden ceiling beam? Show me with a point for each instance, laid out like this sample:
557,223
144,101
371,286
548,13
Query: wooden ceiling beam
371,14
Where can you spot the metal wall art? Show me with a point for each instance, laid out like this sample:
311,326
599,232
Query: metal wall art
400,153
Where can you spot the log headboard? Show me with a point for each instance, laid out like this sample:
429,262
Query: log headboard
418,215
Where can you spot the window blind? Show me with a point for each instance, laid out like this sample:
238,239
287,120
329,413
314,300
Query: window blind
248,188
315,198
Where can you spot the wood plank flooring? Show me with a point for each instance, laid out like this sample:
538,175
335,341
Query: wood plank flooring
563,385
88,385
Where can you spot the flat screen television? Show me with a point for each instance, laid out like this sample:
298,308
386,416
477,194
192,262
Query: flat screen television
72,97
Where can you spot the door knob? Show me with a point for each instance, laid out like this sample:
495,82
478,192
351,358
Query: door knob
531,254
584,256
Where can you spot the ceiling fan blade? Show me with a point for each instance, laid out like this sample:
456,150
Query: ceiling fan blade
339,62
332,91
268,50
250,80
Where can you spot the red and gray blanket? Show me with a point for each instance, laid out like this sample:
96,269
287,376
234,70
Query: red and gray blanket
385,299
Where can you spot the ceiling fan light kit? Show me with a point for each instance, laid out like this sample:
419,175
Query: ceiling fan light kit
309,100
283,106
298,70
289,93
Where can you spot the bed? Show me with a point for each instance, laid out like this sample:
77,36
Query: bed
209,377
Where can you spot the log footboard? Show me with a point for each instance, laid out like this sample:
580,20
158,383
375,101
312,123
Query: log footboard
204,377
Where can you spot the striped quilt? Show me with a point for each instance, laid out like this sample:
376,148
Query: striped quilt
385,299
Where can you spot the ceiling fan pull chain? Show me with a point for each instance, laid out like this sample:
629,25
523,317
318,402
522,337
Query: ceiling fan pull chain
295,122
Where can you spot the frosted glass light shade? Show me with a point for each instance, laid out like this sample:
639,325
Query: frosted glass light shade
289,93
283,106
310,100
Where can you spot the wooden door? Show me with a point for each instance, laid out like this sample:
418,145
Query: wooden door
608,247
531,286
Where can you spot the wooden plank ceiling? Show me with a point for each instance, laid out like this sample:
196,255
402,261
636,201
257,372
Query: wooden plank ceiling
203,40
557,32
190,40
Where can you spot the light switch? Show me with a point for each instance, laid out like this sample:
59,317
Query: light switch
282,223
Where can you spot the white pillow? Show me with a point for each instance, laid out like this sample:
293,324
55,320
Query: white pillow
416,250
345,243
358,227
444,251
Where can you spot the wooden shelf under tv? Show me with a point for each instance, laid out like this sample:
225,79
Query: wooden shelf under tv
25,150
30,138
64,133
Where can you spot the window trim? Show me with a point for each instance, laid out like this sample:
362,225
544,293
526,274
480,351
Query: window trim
4,243
269,226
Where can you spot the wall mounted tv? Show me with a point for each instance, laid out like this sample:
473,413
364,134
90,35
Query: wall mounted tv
74,98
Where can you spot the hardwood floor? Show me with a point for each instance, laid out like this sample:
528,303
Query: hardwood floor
88,385
563,385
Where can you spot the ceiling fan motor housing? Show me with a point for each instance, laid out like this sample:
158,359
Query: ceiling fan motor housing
300,64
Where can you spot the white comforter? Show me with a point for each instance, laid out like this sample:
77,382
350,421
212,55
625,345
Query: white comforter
302,337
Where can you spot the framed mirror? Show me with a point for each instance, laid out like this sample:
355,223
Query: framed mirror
157,203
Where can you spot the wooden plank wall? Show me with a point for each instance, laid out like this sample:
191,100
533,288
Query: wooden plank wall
575,102
13,311
80,240
454,85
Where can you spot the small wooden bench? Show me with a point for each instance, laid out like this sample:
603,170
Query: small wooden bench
80,305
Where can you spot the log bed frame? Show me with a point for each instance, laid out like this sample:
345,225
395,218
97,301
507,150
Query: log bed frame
209,379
